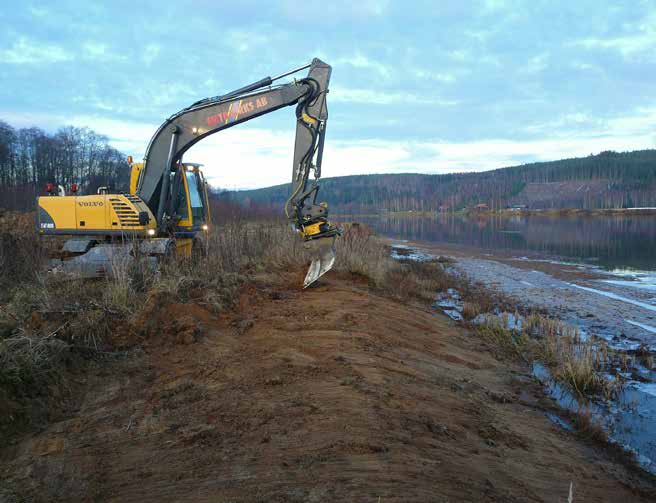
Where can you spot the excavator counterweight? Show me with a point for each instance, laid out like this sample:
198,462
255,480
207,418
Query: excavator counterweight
167,209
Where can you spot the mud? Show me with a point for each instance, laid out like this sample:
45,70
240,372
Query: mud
329,394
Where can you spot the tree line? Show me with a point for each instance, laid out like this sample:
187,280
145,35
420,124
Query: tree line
30,158
606,180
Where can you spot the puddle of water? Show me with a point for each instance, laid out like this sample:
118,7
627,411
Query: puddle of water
630,421
404,252
632,279
649,388
644,326
614,296
638,285
645,276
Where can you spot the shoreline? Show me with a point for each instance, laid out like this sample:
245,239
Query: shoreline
591,297
509,212
559,290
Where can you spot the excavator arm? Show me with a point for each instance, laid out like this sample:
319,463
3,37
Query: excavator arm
211,115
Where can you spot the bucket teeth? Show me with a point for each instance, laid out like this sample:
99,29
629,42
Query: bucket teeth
323,258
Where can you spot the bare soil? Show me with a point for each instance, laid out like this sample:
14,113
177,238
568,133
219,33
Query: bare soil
330,394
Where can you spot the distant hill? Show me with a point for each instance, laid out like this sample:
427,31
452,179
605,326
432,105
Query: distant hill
607,180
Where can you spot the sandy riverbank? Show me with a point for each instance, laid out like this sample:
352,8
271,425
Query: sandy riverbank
335,393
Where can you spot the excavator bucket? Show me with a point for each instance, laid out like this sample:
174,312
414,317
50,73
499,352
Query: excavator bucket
323,258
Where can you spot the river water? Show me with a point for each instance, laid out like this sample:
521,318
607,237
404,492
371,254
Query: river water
611,242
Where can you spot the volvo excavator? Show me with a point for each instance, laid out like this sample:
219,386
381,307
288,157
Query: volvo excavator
166,212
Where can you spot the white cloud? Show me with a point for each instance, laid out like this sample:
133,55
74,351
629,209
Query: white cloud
348,95
640,40
639,124
467,56
150,52
151,95
26,51
372,7
444,78
535,64
245,41
129,137
361,61
251,158
99,51
583,66
38,11
460,54
314,12
246,158
481,36
494,5
94,49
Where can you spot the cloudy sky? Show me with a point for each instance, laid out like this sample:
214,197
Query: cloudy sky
428,87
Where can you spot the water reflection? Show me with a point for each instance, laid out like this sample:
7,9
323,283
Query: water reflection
611,242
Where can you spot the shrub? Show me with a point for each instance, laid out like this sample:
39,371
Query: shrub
22,255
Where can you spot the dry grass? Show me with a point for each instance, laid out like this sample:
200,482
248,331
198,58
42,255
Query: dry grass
514,343
588,428
471,310
359,251
21,252
44,317
578,363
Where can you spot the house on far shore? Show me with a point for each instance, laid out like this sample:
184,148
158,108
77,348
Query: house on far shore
444,208
481,207
518,207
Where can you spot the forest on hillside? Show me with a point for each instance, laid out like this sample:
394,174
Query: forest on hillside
30,158
607,180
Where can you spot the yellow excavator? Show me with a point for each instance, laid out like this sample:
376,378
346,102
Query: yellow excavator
166,212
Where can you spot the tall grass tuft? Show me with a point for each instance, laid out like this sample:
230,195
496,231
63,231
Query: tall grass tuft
45,317
579,363
359,251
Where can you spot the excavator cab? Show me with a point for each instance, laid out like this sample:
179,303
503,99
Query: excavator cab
190,203
190,196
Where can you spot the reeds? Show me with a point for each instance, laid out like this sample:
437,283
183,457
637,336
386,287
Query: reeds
577,362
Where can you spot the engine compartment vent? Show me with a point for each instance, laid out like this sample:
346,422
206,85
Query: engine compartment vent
126,214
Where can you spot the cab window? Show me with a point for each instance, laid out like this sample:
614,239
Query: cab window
195,197
181,206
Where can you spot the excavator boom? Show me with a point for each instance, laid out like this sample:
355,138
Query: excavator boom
211,115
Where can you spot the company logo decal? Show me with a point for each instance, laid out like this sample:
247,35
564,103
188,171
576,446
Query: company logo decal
235,110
